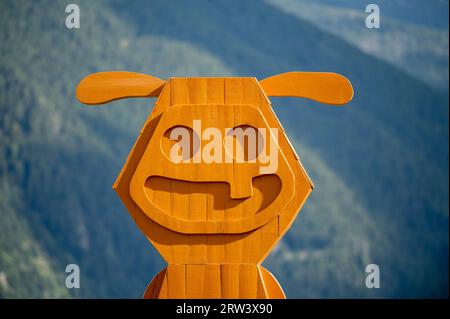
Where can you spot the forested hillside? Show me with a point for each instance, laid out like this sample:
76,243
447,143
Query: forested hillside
413,35
380,164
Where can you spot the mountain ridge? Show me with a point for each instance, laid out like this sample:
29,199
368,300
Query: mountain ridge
65,158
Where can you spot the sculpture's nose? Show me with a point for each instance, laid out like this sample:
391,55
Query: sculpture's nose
241,187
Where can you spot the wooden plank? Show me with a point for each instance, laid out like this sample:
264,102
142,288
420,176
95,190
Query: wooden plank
230,281
212,282
176,281
195,276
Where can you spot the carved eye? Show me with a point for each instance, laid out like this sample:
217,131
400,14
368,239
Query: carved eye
180,143
244,143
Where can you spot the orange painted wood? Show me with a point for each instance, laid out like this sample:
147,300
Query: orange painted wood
271,286
102,87
214,223
324,87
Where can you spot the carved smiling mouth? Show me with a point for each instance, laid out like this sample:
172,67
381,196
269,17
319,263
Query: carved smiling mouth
210,201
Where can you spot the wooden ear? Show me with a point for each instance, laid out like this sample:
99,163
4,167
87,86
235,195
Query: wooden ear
329,88
103,87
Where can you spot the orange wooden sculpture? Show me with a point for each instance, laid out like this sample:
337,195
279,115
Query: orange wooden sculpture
213,222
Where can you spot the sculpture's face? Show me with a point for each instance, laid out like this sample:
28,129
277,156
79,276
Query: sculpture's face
211,168
212,177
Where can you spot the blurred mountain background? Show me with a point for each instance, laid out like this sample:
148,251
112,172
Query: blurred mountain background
380,164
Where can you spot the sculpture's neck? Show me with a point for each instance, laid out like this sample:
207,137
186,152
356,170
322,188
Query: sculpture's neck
233,281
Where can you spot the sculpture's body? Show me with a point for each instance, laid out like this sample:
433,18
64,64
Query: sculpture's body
214,223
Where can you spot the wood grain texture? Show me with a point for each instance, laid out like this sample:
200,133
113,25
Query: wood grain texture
324,87
103,87
214,223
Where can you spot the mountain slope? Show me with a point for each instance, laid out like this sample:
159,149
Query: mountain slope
431,13
380,164
21,257
419,50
